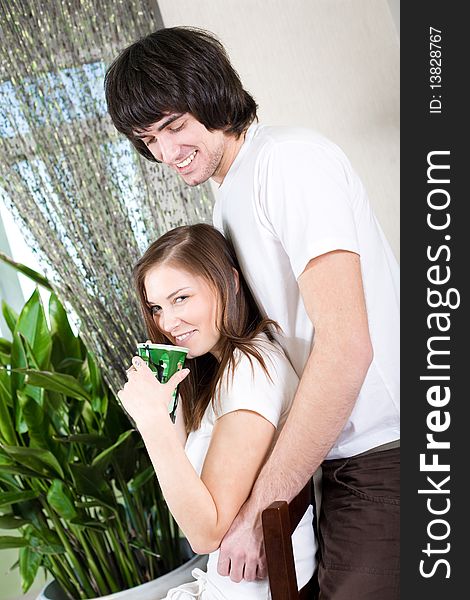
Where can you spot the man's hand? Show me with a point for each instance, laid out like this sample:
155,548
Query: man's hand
242,553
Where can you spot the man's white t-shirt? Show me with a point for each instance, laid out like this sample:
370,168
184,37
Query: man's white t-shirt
291,195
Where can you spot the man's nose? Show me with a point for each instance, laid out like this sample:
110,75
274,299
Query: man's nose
168,150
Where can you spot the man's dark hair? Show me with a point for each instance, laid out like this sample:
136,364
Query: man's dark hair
176,70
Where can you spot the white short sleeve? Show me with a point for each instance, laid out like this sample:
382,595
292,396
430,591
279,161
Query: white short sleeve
252,389
308,200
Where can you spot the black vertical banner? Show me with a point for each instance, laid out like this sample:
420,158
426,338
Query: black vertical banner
435,253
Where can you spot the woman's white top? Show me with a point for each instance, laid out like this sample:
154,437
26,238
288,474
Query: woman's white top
271,397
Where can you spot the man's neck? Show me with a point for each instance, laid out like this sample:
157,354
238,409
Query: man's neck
232,148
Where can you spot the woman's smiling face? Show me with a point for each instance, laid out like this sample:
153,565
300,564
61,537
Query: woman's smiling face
184,307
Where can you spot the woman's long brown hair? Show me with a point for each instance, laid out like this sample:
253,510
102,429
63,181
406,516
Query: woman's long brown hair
202,250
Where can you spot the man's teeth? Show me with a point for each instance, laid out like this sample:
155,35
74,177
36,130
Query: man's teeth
181,338
187,161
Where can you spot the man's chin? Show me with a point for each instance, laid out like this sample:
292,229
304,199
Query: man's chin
193,179
194,182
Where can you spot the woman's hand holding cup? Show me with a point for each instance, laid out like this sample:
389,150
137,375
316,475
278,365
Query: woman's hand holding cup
144,397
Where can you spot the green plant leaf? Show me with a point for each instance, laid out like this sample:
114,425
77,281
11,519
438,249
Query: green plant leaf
144,549
57,409
89,481
11,521
49,549
8,479
33,325
61,330
89,524
129,457
31,273
5,346
34,392
56,382
20,423
19,470
5,386
37,459
60,500
91,439
44,541
99,396
31,510
94,375
30,357
100,404
10,316
7,498
7,427
67,363
105,456
33,416
18,361
5,476
89,504
9,541
141,479
30,561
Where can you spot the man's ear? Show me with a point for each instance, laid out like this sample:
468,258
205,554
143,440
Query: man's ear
237,279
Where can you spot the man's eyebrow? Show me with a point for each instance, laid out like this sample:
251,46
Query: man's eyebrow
144,134
169,121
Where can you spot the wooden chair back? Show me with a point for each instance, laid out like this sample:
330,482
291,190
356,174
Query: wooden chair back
279,522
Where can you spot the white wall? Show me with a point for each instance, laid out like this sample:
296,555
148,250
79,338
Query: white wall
327,64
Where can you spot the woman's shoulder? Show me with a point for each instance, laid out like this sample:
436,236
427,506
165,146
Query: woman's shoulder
269,350
273,371
265,387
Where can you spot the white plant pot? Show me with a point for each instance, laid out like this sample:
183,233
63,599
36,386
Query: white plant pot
153,590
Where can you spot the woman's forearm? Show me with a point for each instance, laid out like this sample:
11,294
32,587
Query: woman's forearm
188,498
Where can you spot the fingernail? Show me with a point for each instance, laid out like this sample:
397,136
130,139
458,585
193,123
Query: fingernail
137,362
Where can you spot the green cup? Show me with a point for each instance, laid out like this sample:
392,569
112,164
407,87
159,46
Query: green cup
164,360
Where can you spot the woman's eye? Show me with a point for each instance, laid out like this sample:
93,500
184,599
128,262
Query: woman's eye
180,299
154,310
176,129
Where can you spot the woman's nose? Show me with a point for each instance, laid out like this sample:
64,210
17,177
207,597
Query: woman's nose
169,322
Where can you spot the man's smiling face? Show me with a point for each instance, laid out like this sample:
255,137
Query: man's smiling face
188,147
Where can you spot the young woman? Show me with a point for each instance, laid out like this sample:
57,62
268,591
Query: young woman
234,395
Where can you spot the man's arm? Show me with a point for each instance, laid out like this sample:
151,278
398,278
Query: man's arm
332,292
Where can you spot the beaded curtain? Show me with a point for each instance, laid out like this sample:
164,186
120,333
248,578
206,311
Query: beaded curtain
86,202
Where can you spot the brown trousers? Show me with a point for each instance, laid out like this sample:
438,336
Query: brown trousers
360,528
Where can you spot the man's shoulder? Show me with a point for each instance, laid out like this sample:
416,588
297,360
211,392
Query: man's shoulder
272,136
269,141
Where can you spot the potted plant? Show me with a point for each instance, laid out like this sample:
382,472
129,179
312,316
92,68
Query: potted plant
75,479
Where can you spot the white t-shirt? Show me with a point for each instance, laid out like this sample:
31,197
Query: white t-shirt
289,196
251,389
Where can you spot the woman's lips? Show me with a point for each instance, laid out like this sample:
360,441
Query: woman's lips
183,338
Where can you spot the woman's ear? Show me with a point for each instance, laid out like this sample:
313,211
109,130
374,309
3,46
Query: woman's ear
237,279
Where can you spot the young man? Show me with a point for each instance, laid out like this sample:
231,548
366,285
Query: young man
318,263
